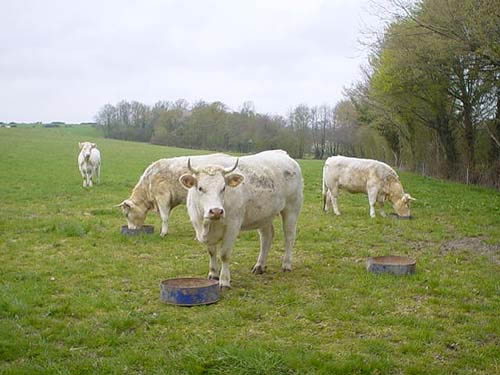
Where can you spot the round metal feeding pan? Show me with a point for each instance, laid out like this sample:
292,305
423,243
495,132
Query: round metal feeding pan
396,216
189,291
396,265
145,229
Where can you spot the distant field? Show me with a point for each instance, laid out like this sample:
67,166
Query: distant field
78,298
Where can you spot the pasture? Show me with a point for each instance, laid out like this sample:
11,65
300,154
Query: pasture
76,297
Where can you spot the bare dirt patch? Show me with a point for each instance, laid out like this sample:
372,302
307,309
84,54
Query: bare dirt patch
474,244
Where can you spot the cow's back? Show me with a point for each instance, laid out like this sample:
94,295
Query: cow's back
355,174
272,183
95,157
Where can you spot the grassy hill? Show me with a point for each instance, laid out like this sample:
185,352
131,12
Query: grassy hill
78,298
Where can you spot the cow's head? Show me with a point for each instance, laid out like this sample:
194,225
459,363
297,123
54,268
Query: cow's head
86,149
207,187
402,205
134,213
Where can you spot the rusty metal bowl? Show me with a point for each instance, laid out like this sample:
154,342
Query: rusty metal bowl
396,216
145,229
189,291
393,264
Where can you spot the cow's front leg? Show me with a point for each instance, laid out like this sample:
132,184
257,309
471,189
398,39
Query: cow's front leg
212,264
372,199
266,238
164,214
86,180
225,254
381,208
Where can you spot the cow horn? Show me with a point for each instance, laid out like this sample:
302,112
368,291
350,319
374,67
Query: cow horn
195,171
226,171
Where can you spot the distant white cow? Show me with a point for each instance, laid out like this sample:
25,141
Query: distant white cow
89,163
159,189
222,203
371,177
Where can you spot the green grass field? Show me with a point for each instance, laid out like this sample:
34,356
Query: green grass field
76,297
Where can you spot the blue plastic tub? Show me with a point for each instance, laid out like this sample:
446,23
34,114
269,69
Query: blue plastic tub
188,291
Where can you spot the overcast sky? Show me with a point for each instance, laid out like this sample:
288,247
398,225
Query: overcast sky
63,60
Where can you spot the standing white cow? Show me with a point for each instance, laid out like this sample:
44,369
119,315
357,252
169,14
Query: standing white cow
89,163
222,203
371,177
159,189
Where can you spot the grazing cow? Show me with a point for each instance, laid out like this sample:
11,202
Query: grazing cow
89,162
159,189
372,177
222,203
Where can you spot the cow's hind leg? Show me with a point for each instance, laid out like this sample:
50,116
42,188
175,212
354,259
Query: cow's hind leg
98,174
289,219
334,193
266,238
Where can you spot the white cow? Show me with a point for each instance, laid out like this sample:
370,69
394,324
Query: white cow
159,189
222,203
89,163
371,177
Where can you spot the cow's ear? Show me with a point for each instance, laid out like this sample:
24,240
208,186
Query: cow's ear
80,145
234,179
126,205
188,181
410,198
93,145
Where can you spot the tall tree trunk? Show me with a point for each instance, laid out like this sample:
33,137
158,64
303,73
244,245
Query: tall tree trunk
445,137
470,138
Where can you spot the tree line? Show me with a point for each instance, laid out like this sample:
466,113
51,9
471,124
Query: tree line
306,131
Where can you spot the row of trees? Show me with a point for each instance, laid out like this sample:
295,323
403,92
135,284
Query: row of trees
317,131
432,88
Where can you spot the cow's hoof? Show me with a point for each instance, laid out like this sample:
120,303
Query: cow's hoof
258,270
213,277
224,288
286,269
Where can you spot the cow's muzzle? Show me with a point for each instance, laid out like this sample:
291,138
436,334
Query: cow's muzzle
215,213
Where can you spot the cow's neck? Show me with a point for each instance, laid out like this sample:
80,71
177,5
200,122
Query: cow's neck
141,195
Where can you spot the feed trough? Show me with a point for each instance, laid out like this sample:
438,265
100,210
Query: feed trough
396,265
396,216
187,291
145,229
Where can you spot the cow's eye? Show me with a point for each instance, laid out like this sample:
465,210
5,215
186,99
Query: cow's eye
200,189
223,189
